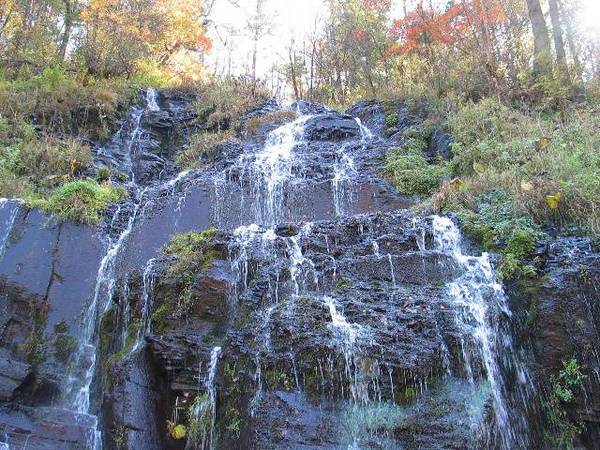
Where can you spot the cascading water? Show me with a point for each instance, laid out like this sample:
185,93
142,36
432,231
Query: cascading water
148,279
267,172
212,389
318,268
480,308
79,389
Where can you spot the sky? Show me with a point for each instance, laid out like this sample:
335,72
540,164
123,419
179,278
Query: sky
286,18
297,18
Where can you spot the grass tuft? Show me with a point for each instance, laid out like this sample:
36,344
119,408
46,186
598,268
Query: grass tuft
80,201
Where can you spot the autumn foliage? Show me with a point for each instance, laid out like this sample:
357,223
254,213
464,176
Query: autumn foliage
424,26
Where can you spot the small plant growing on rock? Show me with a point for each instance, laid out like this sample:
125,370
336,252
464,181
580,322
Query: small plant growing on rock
193,253
562,430
199,422
103,174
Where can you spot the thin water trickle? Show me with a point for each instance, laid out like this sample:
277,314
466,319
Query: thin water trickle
212,389
12,206
148,279
343,173
152,100
392,273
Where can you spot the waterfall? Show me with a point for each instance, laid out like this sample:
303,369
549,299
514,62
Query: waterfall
151,100
12,206
346,336
212,390
78,387
103,294
480,307
147,286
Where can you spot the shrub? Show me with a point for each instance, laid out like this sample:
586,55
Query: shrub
53,157
202,145
221,103
80,201
533,160
411,172
254,124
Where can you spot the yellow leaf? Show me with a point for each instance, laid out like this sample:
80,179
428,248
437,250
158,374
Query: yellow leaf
553,201
526,185
542,143
178,432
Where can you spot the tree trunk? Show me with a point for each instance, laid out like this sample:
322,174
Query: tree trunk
293,71
256,38
542,59
571,42
559,43
64,42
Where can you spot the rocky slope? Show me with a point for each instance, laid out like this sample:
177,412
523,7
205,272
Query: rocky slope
319,313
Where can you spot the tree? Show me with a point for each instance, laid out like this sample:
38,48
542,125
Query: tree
69,17
542,55
559,44
119,34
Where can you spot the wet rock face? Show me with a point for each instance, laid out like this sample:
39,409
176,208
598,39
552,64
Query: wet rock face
563,322
358,314
43,288
331,127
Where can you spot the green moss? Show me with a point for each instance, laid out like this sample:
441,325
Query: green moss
108,323
80,201
130,339
34,346
410,171
161,315
499,228
278,379
412,174
194,253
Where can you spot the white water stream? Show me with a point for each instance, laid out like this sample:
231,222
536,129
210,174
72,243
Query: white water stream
480,306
